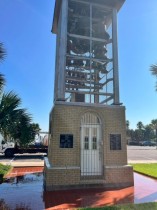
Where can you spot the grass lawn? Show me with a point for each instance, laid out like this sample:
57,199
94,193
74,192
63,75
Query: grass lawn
143,206
3,170
149,169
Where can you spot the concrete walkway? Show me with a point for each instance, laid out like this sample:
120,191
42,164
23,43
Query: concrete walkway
22,162
25,164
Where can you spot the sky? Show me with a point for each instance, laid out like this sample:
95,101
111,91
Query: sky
25,30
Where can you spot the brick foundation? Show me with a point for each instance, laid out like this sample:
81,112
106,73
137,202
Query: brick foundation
62,168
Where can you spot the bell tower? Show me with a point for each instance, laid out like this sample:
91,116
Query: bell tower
87,43
87,144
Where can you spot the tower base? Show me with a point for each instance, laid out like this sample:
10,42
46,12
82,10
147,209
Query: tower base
87,147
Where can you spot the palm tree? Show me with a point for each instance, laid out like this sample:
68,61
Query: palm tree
139,132
154,123
148,133
12,118
140,125
154,127
153,70
15,123
127,128
21,130
9,103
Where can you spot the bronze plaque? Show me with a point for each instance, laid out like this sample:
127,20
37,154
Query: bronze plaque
66,141
115,142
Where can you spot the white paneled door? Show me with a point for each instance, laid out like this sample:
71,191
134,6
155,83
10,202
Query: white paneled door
91,146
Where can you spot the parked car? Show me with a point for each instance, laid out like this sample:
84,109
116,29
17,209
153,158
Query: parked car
133,143
147,143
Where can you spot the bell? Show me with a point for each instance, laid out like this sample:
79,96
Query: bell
87,65
99,31
68,62
78,63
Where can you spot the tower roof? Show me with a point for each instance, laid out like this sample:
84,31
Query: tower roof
110,3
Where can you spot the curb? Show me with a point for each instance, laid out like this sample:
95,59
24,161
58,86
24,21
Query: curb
24,164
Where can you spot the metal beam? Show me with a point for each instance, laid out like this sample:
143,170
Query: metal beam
77,79
101,61
106,100
115,57
88,92
61,52
90,38
83,87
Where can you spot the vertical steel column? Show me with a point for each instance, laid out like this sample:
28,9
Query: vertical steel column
56,71
115,57
90,50
61,52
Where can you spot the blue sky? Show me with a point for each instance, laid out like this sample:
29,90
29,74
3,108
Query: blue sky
25,30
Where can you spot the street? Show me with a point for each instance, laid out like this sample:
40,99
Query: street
136,154
142,154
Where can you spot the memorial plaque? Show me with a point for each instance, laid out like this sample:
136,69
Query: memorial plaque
115,142
66,141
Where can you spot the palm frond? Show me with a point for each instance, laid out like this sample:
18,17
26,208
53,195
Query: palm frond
2,82
10,101
2,52
14,121
153,69
156,86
